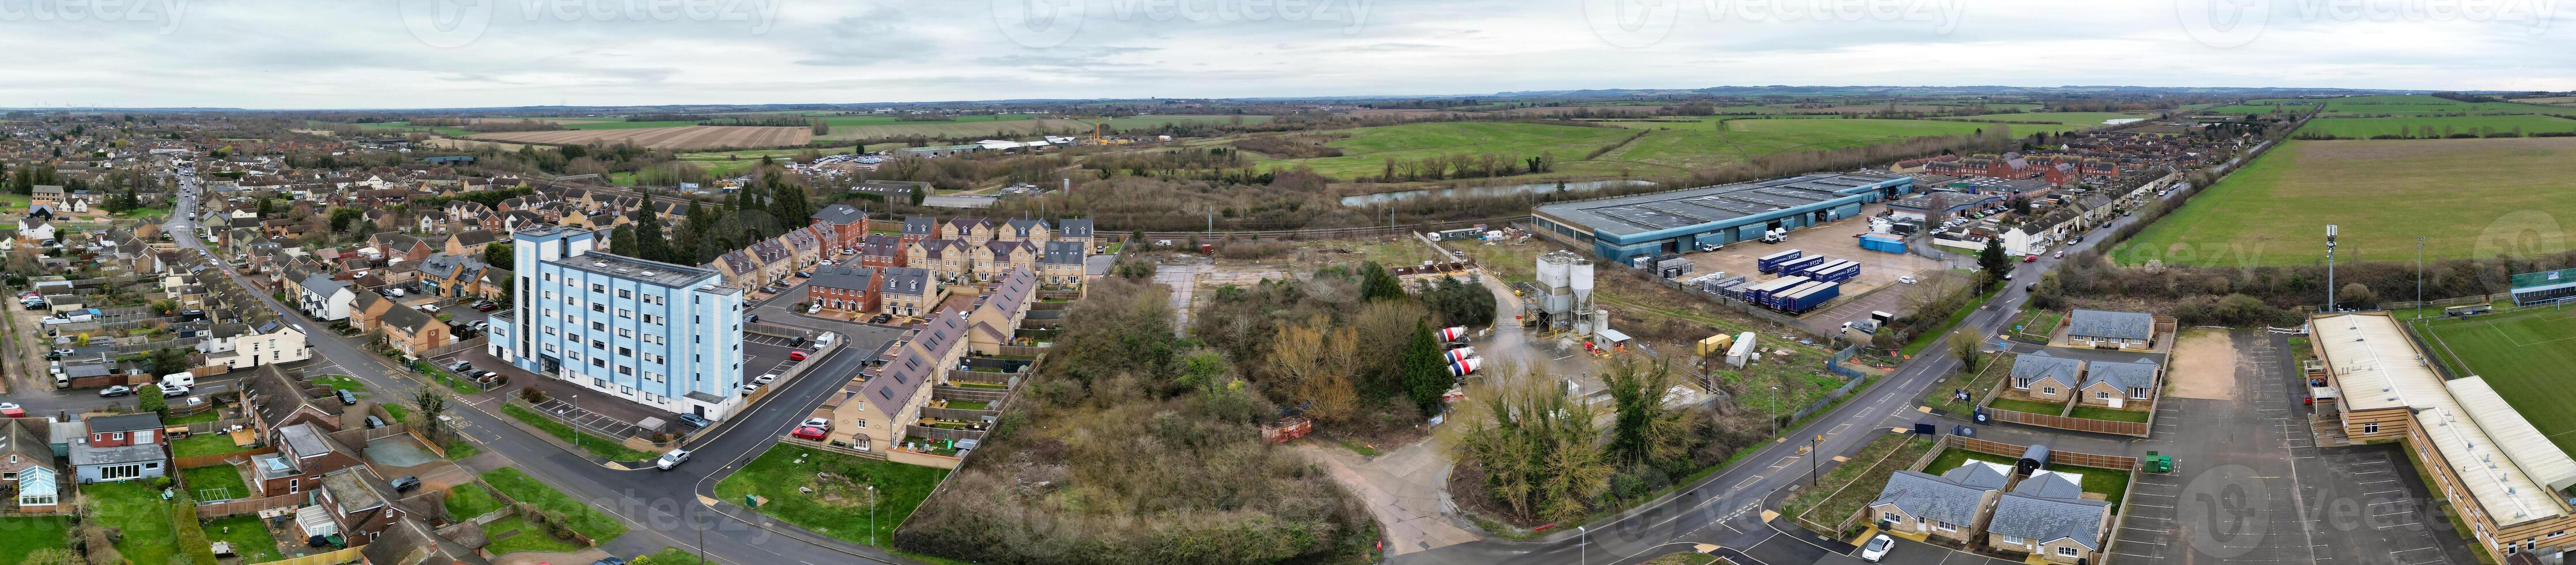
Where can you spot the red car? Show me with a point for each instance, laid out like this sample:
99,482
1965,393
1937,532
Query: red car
11,410
795,355
2030,258
809,432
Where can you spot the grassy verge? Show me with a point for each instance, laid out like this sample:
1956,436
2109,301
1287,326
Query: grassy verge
21,535
205,444
1357,447
341,382
468,500
250,538
1926,340
838,506
1842,491
522,535
453,382
580,517
224,477
2031,406
605,449
459,449
1939,395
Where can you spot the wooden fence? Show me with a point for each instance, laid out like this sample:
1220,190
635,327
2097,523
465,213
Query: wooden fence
236,507
2138,429
195,461
834,448
2076,458
344,555
967,393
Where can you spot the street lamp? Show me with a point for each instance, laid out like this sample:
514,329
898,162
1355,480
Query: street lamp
872,515
2330,287
2419,277
1582,544
576,407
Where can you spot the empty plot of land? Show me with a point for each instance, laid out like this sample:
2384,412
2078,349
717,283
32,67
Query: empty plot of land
2435,126
2469,197
2524,355
1013,129
2204,366
685,137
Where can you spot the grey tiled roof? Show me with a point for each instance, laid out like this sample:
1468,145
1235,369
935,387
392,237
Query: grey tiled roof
1926,496
920,225
1980,474
1075,227
2113,325
845,278
1062,253
2039,367
2050,484
125,422
2043,520
2120,374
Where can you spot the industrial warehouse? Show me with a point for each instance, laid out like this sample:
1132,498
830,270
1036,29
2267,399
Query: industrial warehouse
1665,223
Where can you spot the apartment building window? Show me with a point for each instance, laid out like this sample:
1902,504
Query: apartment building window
596,287
625,370
598,363
623,293
599,345
625,313
550,330
550,295
550,348
652,319
598,307
598,326
623,351
623,332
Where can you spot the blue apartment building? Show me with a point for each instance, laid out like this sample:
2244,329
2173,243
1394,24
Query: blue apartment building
662,335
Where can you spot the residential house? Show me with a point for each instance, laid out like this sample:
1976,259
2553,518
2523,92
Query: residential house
2111,330
242,346
777,260
908,291
305,452
123,447
948,259
1076,230
355,505
2044,378
2115,384
840,225
852,289
413,332
992,323
1953,505
996,258
27,466
324,298
886,404
2046,515
452,275
1034,232
917,228
974,231
1061,263
739,269
468,242
882,250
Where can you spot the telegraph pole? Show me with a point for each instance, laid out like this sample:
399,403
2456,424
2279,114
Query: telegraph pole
2330,287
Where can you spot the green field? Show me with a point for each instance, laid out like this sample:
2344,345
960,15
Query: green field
581,517
225,477
2443,126
2078,119
838,506
21,535
2524,355
1015,129
250,537
2392,105
1365,150
2494,196
1671,146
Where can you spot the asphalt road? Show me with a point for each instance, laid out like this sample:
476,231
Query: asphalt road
661,508
1724,508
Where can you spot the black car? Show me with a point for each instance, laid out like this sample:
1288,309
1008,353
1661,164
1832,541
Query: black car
406,483
798,342
347,398
881,318
751,318
375,422
694,421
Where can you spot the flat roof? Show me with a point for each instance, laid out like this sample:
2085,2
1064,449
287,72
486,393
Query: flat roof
1641,213
2379,367
624,267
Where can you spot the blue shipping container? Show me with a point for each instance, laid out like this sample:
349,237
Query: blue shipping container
1882,243
1771,263
1810,298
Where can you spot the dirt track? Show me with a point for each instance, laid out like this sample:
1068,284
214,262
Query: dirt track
684,137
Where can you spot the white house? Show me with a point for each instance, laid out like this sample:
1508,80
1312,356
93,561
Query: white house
33,228
270,343
324,298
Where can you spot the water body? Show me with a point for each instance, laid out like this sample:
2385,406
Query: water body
1366,200
2122,121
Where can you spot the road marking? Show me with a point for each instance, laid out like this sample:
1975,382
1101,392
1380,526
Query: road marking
2383,492
2416,549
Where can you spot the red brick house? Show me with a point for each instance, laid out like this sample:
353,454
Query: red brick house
852,289
840,225
880,250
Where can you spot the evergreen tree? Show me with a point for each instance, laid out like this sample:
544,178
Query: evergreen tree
622,240
1993,262
1425,371
498,254
787,203
651,241
1376,284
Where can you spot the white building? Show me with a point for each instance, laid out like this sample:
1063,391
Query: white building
662,335
324,298
271,343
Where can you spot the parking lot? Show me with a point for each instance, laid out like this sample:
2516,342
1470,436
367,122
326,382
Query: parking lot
1838,240
597,423
763,354
2252,485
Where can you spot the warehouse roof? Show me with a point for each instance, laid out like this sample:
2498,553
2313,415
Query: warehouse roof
2380,368
1708,204
2521,442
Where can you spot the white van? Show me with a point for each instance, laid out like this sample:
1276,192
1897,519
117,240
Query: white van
823,340
179,379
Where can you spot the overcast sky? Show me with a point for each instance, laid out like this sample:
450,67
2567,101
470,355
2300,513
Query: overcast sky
469,53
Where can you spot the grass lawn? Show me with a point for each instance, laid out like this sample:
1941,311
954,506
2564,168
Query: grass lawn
1357,447
2379,191
249,535
2115,415
341,382
205,444
227,477
468,500
1845,489
206,416
587,520
839,506
21,535
1938,396
460,449
2037,323
969,404
137,510
2523,355
2019,405
605,449
675,556
530,537
1928,338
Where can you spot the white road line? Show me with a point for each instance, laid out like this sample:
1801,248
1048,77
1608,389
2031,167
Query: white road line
2383,492
2150,505
2399,525
2416,549
2369,472
2374,482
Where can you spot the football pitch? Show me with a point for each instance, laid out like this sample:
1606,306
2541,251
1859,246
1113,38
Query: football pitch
2525,355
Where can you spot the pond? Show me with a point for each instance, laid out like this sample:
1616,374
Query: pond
2123,121
1365,200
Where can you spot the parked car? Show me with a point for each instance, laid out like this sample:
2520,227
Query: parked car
672,459
749,388
766,379
174,391
431,307
2034,257
115,391
486,305
609,561
1877,548
694,421
751,318
795,355
2029,287
12,410
460,367
881,318
405,483
1908,279
2061,255
816,308
797,342
375,422
347,398
810,433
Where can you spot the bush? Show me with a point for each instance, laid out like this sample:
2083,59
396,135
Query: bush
532,395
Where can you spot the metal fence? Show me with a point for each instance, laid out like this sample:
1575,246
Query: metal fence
2138,429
